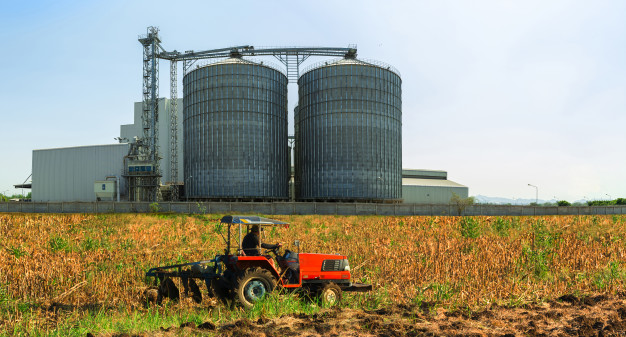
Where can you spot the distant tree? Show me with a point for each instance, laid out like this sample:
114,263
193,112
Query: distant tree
601,202
461,203
620,201
17,196
563,203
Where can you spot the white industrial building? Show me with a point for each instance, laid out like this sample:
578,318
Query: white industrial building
129,131
70,174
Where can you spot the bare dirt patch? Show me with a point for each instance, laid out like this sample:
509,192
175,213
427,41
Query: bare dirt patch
567,316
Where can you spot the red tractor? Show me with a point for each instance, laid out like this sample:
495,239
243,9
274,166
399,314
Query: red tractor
247,279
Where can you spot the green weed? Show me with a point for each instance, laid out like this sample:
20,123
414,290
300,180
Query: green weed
609,276
537,257
501,226
58,243
536,261
441,291
17,252
89,244
469,228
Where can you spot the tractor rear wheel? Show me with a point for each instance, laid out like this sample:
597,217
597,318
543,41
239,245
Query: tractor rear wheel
252,285
330,295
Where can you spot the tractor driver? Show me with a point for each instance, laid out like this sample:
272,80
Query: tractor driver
250,243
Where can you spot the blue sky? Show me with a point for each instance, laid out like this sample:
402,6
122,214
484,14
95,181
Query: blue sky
498,93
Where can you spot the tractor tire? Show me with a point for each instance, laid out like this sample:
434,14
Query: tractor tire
330,295
252,285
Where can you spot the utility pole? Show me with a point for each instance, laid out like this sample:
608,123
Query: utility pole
536,193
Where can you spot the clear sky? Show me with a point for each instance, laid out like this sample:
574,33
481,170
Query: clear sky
498,93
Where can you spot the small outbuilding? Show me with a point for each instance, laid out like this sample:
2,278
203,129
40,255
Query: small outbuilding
429,187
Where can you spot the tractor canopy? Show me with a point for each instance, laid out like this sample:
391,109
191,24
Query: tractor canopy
248,221
251,220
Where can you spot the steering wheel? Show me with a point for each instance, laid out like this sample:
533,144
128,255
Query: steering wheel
275,251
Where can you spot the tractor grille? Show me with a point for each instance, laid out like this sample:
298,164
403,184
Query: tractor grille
332,265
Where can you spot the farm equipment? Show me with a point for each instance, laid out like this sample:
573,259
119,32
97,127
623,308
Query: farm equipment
247,279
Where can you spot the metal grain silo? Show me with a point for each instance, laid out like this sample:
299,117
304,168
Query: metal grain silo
349,132
235,131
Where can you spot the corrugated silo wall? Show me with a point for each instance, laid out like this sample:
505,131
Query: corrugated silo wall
235,132
349,133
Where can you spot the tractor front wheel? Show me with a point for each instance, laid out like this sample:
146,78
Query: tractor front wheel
330,295
252,285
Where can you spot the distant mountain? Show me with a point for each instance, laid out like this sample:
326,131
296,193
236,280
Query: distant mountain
481,199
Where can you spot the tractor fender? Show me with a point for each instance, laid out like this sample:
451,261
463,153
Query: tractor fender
247,262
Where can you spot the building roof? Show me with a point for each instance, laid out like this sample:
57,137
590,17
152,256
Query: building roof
81,146
29,185
430,182
424,174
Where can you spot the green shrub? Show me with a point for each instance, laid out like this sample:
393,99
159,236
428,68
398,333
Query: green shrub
563,203
461,203
600,202
154,207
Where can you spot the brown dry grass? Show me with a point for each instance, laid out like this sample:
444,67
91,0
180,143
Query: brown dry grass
82,260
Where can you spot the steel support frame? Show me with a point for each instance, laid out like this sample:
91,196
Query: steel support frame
292,62
174,182
291,57
147,188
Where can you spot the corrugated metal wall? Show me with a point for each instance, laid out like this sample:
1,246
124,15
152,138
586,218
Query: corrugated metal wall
68,174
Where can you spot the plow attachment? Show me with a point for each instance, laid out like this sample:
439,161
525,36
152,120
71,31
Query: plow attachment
208,271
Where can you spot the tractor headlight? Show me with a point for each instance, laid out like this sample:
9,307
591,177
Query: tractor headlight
346,265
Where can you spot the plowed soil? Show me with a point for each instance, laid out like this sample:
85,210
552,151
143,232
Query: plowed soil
598,315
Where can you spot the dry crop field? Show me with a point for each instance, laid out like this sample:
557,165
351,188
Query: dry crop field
64,274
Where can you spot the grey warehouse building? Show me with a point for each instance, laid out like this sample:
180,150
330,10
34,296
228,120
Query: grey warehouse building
69,174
